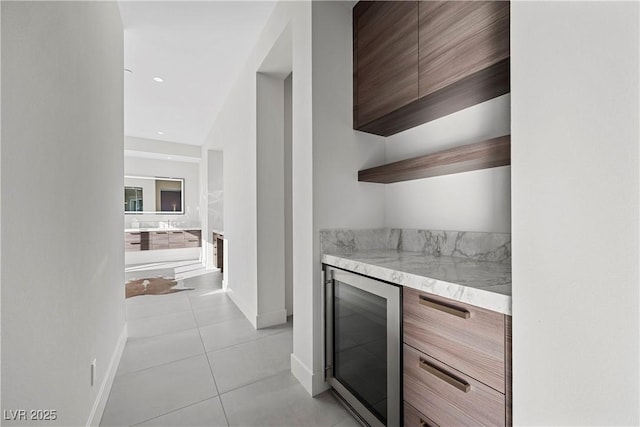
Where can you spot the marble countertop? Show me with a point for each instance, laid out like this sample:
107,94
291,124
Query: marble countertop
484,284
133,230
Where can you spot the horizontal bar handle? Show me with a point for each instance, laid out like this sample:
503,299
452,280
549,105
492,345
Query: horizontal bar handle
449,309
423,423
134,243
445,376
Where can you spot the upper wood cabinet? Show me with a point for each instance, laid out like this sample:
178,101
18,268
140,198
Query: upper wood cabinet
417,61
386,35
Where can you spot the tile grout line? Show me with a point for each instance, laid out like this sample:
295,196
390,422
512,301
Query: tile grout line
209,363
246,342
173,410
252,383
161,364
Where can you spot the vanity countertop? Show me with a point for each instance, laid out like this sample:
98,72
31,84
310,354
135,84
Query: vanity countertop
484,284
134,230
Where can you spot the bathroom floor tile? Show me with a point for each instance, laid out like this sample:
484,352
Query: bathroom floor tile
142,395
142,353
280,401
246,363
160,325
207,413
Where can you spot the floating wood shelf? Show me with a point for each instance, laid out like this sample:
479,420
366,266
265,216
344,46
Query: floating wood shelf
480,155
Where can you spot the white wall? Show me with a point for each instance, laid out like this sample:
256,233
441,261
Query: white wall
235,131
288,202
575,71
62,180
325,161
144,146
471,201
138,166
339,200
214,191
270,191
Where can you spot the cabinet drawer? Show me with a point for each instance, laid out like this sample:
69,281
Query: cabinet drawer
133,236
469,338
413,418
192,234
192,243
132,246
176,239
447,396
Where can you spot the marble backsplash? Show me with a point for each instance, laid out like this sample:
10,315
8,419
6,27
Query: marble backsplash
494,247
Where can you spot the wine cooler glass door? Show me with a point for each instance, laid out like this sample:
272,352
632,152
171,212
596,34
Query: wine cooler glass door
365,345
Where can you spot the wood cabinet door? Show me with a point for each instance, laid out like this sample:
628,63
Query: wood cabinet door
385,58
460,38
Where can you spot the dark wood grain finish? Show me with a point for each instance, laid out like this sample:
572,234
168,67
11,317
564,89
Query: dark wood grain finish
475,345
508,369
474,89
413,418
480,155
218,251
444,404
386,63
460,38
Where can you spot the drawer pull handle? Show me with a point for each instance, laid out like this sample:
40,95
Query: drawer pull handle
134,243
459,312
445,376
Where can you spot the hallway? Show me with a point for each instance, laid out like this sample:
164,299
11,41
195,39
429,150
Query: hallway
193,359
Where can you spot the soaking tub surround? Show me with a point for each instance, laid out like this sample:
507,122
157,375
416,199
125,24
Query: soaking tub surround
469,267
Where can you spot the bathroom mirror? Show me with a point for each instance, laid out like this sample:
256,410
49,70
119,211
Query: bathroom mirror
153,195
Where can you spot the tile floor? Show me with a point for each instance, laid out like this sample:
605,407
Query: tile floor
193,359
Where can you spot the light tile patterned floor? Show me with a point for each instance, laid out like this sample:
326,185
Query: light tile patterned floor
193,359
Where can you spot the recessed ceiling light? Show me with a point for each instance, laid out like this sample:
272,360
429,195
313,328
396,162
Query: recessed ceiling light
160,132
158,79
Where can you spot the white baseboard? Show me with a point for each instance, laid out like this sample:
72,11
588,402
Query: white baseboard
239,302
314,384
271,319
105,388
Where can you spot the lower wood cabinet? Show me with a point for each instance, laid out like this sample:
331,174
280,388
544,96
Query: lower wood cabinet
457,363
159,240
192,238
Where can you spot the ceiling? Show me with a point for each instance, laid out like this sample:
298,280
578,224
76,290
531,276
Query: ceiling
197,48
